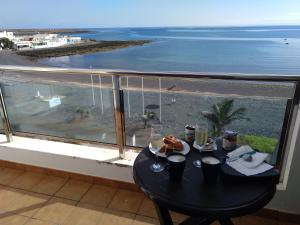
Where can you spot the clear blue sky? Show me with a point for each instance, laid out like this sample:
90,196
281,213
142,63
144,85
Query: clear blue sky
144,13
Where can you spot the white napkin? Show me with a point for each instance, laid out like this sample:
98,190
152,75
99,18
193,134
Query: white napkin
257,159
249,171
255,166
240,151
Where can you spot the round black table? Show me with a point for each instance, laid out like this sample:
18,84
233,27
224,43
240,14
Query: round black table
192,196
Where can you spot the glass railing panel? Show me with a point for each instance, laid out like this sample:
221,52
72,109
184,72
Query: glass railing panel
61,105
141,108
185,101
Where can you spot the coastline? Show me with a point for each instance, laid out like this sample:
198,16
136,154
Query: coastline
192,95
85,47
204,86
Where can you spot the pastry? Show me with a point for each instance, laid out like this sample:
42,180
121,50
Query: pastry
171,144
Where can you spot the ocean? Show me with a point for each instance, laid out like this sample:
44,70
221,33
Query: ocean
263,50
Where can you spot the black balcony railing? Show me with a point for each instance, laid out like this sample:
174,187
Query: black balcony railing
116,108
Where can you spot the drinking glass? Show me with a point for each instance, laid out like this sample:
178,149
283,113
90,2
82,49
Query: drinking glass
201,135
156,140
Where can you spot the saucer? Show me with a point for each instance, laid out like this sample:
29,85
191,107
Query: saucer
202,149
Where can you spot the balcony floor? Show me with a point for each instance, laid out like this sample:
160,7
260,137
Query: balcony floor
28,198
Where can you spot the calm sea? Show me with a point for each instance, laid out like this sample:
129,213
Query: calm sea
272,49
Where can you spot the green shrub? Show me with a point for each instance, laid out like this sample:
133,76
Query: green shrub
5,43
261,143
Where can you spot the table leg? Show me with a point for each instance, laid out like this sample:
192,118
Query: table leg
198,221
225,221
163,215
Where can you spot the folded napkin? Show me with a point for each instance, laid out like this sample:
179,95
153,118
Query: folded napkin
240,151
253,167
257,159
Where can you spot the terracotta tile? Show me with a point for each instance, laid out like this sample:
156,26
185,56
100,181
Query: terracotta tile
255,220
38,222
16,166
35,169
12,219
56,210
84,215
177,217
106,182
81,177
49,185
8,196
129,186
27,180
236,221
287,223
99,195
57,173
129,201
28,204
73,189
115,217
147,208
7,175
143,220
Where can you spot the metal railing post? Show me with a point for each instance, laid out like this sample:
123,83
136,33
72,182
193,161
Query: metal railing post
4,118
119,115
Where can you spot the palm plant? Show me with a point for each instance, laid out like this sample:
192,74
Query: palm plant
223,114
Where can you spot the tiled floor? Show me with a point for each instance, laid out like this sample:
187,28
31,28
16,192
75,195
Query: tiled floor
28,198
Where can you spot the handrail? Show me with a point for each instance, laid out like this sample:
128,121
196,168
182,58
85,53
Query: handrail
118,101
177,74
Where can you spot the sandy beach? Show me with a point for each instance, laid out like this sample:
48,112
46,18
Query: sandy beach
208,87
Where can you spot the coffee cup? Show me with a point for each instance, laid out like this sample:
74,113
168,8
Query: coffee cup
175,166
210,166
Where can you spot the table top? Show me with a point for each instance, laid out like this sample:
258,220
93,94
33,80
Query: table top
193,196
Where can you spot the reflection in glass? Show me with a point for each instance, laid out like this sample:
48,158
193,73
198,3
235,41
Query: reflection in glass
78,109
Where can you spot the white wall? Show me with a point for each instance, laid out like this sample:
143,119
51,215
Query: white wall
67,157
289,200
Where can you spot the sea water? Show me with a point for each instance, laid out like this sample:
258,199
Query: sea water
267,50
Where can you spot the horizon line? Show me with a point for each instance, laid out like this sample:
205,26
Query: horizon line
171,26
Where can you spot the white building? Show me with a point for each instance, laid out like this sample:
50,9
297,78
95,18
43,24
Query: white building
52,41
9,35
39,41
23,45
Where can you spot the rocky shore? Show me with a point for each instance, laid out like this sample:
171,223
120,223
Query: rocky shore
85,47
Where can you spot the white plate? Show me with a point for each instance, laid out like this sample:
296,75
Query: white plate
186,150
201,149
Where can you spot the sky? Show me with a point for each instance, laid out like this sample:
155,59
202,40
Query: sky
146,13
